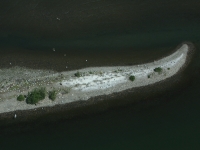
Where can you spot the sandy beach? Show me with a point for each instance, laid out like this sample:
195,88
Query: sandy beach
92,82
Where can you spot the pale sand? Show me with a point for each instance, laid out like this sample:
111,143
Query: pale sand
94,82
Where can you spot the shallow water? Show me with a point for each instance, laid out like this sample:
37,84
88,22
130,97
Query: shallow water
117,34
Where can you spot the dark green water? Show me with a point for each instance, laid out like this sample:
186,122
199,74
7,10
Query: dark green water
169,122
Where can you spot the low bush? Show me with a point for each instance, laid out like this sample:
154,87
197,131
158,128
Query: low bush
36,95
20,97
158,69
132,78
77,74
52,95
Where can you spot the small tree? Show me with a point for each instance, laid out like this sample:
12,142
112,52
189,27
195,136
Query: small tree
52,95
132,78
36,95
20,97
158,69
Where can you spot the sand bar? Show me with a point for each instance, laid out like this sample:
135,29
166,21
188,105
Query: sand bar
92,82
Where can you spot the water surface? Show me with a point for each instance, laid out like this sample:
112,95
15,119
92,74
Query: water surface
106,33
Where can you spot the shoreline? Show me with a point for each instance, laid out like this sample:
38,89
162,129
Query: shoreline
93,100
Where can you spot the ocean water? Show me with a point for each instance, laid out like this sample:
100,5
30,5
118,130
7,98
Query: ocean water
170,121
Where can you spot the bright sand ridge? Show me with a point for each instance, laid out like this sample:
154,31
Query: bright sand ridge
100,81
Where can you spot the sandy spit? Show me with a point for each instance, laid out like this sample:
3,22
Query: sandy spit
93,81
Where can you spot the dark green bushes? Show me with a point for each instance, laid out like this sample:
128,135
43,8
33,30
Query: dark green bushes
158,69
77,74
20,98
132,78
36,95
52,95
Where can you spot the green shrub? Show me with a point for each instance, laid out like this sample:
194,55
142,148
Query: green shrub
168,68
132,78
36,95
158,69
78,74
52,95
20,97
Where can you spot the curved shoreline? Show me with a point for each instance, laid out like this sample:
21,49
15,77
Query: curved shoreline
100,96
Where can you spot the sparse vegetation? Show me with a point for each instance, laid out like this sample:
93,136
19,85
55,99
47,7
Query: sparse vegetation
91,72
36,95
77,74
132,78
65,90
20,97
158,69
52,95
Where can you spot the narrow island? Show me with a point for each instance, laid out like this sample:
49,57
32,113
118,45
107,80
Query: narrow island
24,89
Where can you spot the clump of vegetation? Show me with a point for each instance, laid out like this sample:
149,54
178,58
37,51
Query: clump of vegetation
52,95
149,76
36,95
168,68
132,78
91,72
158,69
77,74
21,97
